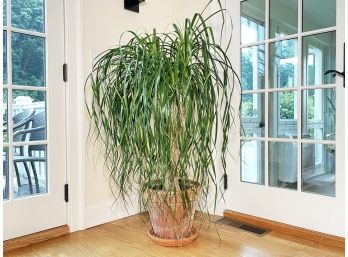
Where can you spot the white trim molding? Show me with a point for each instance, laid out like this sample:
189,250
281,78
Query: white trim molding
75,114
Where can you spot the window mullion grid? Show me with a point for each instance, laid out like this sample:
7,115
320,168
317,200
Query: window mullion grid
10,87
286,89
28,32
300,81
266,89
288,37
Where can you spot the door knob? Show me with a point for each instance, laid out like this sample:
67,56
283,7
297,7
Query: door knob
334,73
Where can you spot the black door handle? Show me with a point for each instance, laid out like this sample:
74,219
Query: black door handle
334,73
262,124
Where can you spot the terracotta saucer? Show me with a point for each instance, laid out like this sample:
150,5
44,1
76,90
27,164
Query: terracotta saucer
173,242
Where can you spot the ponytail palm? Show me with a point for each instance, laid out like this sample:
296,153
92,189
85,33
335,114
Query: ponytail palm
161,103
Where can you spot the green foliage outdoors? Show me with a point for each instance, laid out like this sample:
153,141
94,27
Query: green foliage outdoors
287,105
158,102
247,76
247,108
28,52
247,72
28,14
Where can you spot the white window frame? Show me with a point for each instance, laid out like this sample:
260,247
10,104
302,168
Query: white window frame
298,88
9,86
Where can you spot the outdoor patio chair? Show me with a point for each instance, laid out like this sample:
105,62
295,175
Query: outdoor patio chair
36,132
21,121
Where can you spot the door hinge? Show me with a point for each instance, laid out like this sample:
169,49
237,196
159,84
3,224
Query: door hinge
65,72
225,181
66,193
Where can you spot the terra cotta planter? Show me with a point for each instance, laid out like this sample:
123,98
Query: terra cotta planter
171,217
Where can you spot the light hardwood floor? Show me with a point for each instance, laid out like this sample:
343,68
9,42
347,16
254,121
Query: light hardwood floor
127,237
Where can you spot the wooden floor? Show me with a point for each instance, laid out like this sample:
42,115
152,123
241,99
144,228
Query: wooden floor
127,237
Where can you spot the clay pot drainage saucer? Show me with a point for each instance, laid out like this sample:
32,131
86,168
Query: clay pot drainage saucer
173,242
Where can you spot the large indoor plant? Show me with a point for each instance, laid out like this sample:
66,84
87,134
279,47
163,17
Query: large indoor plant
162,106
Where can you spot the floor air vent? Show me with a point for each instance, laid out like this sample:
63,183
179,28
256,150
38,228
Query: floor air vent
254,230
245,227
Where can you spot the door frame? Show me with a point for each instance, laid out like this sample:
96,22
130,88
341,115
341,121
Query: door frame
75,115
55,148
240,196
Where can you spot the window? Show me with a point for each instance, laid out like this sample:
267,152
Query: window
24,91
288,105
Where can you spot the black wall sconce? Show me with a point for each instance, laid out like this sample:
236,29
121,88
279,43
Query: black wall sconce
132,5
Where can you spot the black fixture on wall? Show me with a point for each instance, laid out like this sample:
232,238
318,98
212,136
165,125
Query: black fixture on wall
132,5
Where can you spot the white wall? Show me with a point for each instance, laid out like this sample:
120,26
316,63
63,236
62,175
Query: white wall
103,21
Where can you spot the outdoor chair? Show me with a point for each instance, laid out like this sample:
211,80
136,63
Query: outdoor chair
37,132
21,121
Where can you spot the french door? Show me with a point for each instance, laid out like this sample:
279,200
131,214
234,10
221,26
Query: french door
292,113
34,130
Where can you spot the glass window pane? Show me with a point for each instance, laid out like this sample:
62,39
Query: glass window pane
4,116
5,177
282,164
28,60
29,115
283,18
4,57
4,17
322,16
252,161
28,14
30,177
253,115
319,114
319,55
253,67
319,169
282,117
283,64
252,21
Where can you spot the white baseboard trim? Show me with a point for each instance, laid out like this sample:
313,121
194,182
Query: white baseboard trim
107,212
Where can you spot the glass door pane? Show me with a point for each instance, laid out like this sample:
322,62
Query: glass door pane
253,67
28,60
319,115
282,114
5,175
253,115
283,64
319,168
28,15
283,18
282,163
319,55
252,161
322,16
252,21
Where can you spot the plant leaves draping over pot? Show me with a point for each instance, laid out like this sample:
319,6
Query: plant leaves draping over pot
161,103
